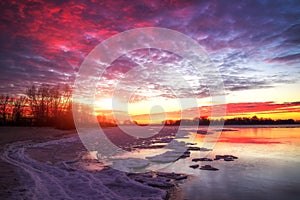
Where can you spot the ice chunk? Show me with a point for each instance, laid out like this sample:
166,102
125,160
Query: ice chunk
130,164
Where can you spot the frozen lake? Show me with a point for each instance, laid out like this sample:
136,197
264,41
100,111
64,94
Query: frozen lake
268,166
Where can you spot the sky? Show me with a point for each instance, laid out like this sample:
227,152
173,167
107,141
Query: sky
255,45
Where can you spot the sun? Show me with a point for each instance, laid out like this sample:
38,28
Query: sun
103,104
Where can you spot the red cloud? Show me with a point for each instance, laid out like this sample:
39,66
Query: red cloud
238,109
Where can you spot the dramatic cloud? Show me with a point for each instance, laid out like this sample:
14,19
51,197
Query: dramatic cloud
287,58
46,41
248,109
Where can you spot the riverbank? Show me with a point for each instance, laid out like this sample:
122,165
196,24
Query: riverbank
47,163
10,179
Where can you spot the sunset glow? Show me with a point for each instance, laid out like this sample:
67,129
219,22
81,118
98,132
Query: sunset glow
256,53
150,99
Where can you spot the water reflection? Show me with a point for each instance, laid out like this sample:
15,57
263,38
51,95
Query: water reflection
268,166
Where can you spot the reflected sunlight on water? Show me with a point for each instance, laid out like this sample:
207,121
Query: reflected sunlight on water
268,166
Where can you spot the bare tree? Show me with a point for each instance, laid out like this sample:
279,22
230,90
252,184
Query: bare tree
51,106
65,114
33,102
4,103
55,98
17,114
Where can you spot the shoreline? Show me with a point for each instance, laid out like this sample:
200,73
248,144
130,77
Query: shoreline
10,174
11,183
250,169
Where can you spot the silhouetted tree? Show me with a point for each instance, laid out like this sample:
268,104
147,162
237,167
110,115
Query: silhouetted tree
233,121
18,106
51,105
4,101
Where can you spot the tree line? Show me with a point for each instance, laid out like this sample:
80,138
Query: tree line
47,105
232,121
43,105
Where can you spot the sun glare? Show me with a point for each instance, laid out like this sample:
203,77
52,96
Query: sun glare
103,104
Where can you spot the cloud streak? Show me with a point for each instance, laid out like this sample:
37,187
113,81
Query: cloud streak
46,41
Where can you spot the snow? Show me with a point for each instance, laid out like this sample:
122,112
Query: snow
73,179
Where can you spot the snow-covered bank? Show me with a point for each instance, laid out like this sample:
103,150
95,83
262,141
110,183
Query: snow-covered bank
49,171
